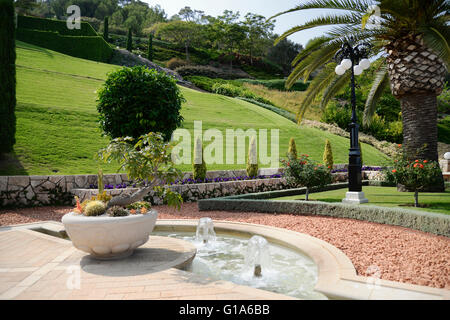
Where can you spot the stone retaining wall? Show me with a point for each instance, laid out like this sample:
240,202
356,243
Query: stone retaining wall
58,190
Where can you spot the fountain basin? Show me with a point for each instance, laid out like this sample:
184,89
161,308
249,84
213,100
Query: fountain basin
106,237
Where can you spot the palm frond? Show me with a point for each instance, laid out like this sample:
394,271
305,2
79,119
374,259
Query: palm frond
335,86
307,51
322,80
351,18
436,40
379,84
348,5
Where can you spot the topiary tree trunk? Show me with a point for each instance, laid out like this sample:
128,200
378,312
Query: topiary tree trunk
150,48
130,41
106,29
7,76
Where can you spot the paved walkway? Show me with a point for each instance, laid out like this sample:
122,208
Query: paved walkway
34,265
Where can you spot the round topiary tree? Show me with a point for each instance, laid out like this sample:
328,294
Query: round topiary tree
135,101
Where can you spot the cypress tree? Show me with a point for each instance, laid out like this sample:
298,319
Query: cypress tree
130,41
7,76
328,155
199,165
252,160
292,151
150,47
106,29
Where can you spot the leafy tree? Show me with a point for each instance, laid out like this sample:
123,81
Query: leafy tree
180,32
189,15
283,53
414,37
135,101
7,76
231,33
258,32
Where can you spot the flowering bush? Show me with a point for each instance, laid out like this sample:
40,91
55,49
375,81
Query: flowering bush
303,172
415,175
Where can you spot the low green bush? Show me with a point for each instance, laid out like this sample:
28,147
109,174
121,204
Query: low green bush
174,63
207,71
284,113
278,84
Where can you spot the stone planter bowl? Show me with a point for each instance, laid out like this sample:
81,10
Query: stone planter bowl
106,237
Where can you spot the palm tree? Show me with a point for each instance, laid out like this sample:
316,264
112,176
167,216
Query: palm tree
410,44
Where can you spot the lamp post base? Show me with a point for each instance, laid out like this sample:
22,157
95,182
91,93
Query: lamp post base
353,197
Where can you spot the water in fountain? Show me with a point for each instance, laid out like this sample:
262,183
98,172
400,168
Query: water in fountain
257,258
205,230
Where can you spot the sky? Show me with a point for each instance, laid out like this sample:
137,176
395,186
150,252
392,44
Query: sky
266,8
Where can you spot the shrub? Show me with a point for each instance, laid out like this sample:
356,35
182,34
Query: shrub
94,208
135,101
252,160
176,63
7,77
292,151
415,175
328,155
199,166
278,84
226,89
206,71
303,172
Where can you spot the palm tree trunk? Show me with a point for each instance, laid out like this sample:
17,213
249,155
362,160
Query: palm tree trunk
419,114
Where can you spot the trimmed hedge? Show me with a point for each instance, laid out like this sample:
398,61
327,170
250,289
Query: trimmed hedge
284,113
34,23
91,48
435,223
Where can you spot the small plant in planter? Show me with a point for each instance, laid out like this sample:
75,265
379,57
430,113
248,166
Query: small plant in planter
415,175
303,172
113,227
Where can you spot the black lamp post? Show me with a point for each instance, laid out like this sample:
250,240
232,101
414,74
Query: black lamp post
354,58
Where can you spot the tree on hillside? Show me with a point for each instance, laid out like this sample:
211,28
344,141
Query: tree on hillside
150,47
24,7
130,40
189,15
410,38
7,76
231,33
105,29
283,53
258,32
180,32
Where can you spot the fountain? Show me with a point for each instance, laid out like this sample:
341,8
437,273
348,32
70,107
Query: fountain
205,230
258,255
254,262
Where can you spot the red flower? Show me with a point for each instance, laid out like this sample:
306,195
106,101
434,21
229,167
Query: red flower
420,166
417,160
399,145
425,161
394,171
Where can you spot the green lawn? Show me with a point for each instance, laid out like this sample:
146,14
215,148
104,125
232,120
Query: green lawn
386,197
57,129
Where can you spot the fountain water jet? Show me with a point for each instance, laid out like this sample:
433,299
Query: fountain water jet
258,255
205,230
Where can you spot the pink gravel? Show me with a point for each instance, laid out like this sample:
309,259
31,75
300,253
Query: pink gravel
400,254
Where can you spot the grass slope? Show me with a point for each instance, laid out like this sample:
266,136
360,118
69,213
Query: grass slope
57,130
